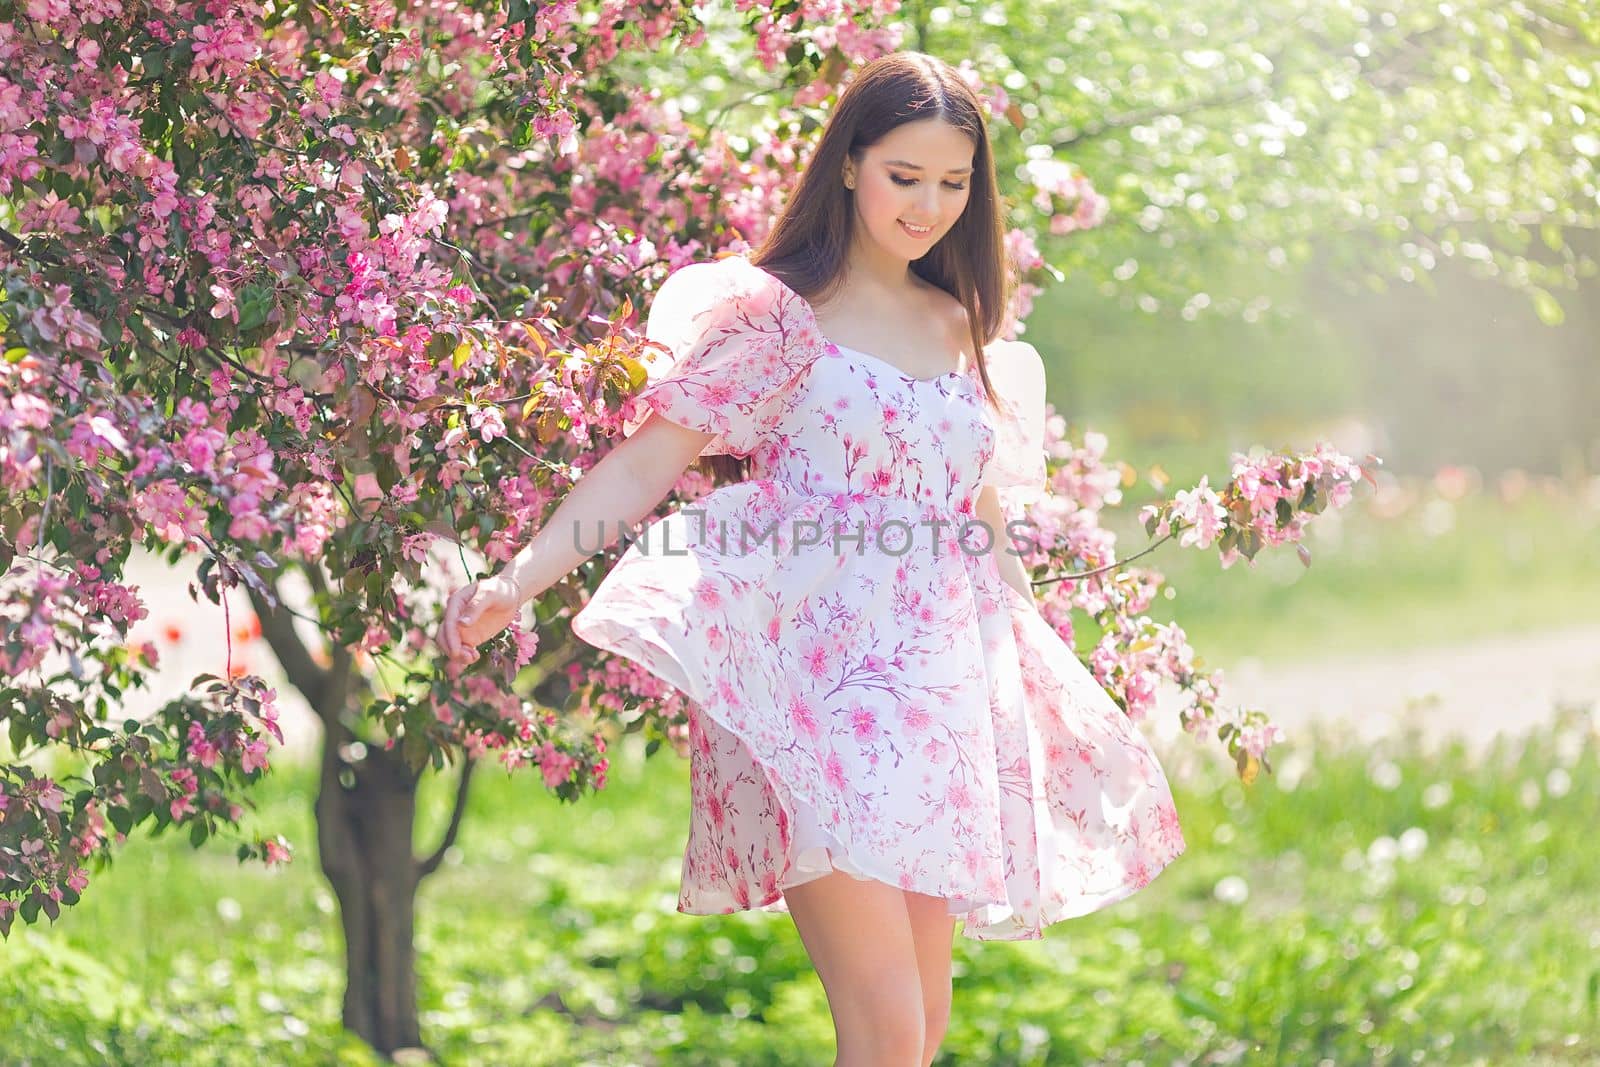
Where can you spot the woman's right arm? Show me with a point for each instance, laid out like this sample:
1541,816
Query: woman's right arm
624,487
620,490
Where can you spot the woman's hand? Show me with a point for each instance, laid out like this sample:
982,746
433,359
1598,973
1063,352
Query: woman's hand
476,612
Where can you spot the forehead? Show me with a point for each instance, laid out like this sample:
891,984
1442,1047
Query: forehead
932,144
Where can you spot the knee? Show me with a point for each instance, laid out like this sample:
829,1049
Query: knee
888,1029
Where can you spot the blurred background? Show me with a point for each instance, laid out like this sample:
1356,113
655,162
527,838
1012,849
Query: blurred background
1415,882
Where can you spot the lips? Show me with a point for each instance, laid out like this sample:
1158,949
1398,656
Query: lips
915,232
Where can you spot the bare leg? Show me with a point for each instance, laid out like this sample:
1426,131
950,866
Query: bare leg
933,929
859,937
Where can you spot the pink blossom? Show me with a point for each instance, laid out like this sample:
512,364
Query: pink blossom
1202,511
1258,737
254,756
487,421
51,796
556,766
48,214
527,645
224,308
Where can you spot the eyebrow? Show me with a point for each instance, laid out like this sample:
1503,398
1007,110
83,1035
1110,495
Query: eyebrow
913,166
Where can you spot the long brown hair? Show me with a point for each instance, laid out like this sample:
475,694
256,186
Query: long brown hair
810,239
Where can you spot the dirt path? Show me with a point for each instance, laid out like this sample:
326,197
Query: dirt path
1475,690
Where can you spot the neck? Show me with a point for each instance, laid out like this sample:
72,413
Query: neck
873,266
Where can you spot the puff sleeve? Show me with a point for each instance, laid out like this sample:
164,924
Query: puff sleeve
1018,463
729,364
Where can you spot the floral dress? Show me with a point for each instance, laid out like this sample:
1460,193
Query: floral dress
866,692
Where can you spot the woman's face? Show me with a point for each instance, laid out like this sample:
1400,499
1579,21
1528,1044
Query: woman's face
912,186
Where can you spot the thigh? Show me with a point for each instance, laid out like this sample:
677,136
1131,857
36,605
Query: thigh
859,936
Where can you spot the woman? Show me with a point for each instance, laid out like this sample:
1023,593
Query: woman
886,736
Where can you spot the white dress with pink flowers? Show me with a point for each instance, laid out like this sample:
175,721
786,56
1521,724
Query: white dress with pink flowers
867,694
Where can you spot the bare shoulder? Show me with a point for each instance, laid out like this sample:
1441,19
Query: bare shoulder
948,312
944,308
947,309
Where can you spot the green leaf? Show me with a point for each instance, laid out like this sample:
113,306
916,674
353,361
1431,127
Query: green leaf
1198,1004
1547,308
255,304
387,470
440,345
414,750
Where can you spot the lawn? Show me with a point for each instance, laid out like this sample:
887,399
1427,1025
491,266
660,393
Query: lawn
1368,907
1419,569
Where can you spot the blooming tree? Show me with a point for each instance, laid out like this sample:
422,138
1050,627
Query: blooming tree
325,291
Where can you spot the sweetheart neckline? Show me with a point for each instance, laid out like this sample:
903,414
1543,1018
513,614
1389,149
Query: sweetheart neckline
811,313
896,370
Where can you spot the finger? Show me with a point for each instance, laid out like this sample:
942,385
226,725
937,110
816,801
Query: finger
447,627
452,610
467,631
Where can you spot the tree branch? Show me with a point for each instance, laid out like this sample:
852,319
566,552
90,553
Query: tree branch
277,626
340,675
431,864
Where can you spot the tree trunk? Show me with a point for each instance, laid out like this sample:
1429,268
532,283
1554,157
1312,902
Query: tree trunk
365,813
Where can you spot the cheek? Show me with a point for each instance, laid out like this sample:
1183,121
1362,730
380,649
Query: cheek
881,204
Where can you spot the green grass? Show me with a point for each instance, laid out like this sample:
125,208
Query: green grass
550,935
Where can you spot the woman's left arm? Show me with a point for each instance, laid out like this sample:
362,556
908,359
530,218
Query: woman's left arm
1006,557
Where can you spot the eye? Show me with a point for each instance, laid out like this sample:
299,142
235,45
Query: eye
912,181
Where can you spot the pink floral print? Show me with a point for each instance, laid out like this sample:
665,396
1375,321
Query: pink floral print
867,693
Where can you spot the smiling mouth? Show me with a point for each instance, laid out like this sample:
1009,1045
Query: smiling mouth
916,231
